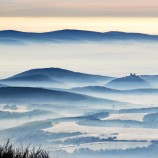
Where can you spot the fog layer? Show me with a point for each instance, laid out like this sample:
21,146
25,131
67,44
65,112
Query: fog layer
114,58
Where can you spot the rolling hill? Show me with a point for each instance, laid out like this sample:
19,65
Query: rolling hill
32,80
40,95
129,82
153,79
2,85
104,91
94,90
54,77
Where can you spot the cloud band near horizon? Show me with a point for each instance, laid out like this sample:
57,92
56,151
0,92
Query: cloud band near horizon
79,8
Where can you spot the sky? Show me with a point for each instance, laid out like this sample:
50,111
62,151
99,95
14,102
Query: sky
80,8
94,15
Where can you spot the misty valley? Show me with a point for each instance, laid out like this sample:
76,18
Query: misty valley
100,99
72,114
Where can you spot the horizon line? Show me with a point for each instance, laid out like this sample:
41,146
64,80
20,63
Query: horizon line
84,30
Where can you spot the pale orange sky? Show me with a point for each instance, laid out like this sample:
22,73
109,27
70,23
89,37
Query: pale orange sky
101,24
96,15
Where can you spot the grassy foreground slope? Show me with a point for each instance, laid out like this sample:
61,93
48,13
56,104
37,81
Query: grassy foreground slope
9,151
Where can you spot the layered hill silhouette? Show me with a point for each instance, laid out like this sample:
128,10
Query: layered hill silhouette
11,36
2,85
62,78
129,82
54,77
35,80
104,91
153,79
40,95
94,89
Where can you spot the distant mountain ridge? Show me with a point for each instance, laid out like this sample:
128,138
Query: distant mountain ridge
71,35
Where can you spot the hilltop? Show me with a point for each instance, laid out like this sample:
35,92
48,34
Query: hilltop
129,82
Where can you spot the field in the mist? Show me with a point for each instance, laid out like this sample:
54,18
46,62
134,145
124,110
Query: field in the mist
73,114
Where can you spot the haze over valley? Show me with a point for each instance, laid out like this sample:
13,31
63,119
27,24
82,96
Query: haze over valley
80,93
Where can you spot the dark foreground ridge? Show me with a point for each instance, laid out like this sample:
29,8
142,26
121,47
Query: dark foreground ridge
10,151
